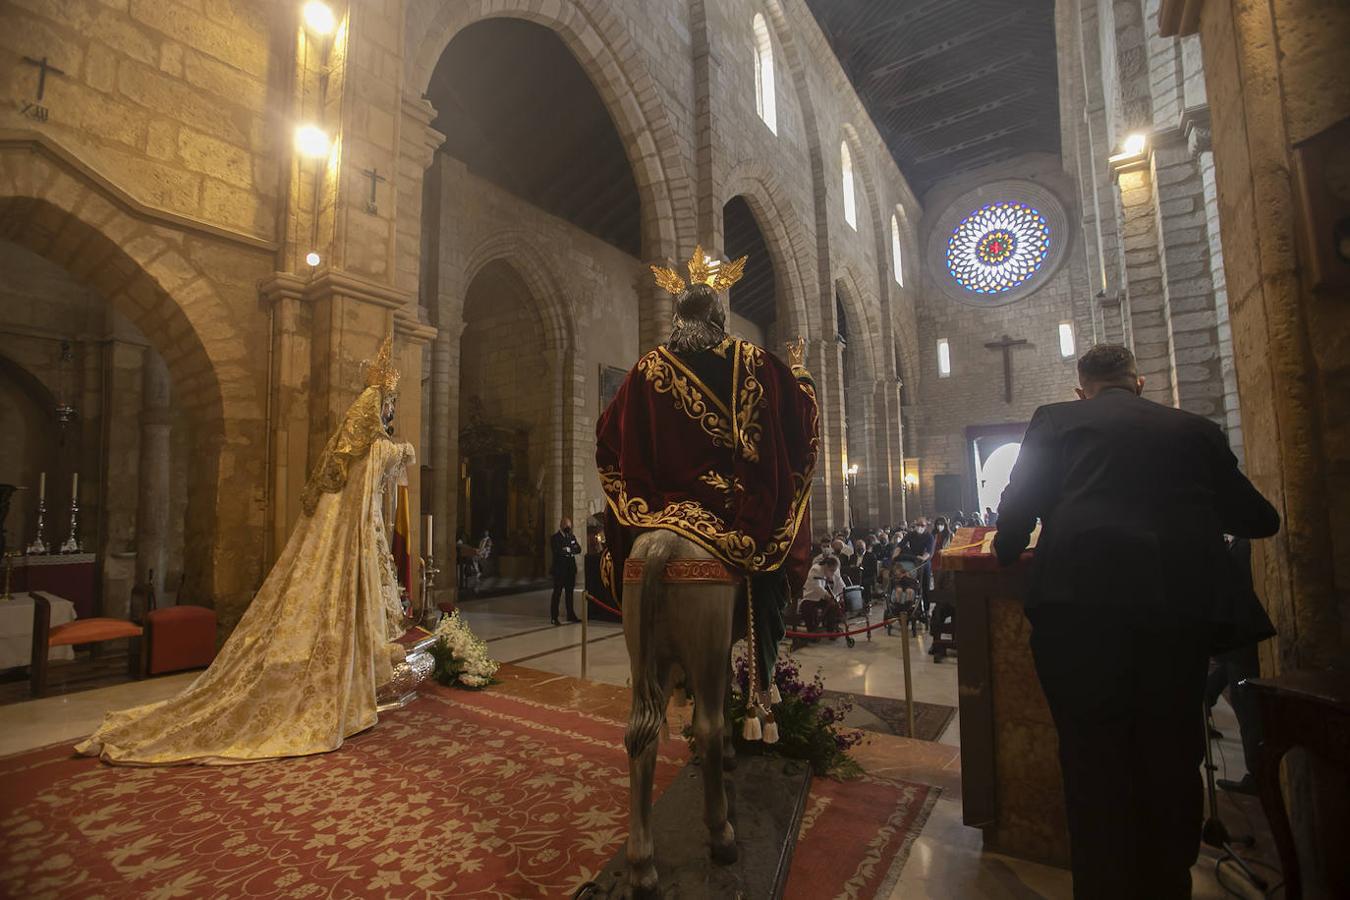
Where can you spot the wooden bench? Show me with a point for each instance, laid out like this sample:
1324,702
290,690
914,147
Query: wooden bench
81,631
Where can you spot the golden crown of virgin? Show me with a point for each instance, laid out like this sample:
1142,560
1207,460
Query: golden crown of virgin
380,371
716,274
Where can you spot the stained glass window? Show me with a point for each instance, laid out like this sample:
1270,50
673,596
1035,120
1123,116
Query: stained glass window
997,247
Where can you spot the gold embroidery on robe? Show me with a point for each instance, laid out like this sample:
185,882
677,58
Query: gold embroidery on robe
666,376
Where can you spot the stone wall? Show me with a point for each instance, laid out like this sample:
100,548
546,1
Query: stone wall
162,175
42,307
973,395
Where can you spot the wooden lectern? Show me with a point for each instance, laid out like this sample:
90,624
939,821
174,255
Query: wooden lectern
1010,781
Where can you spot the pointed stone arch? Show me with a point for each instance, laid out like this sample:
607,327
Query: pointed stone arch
597,40
789,247
183,290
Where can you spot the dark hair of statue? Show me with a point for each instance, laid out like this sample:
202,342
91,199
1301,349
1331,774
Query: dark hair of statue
700,320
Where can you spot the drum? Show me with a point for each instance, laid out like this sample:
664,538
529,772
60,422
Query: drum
853,598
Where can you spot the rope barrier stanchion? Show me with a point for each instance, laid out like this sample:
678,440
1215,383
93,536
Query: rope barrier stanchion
585,625
909,686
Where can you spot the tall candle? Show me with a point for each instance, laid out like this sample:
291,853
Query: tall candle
74,485
42,486
427,521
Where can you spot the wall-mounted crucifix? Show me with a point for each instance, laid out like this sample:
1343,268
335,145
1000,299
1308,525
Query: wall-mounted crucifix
1006,344
375,178
43,68
34,109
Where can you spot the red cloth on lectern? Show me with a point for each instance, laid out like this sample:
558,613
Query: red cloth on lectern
718,446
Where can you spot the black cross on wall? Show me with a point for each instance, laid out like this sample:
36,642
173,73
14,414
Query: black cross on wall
1006,344
43,68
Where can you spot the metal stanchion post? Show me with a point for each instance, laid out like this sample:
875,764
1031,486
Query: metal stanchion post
909,685
585,624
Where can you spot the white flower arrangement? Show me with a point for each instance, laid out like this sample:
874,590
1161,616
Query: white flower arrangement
461,656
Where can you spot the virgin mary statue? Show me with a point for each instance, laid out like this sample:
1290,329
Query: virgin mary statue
300,671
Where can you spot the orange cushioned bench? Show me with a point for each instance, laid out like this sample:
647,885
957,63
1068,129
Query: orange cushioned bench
180,637
81,631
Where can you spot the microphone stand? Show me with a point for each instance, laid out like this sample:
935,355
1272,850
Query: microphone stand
1214,832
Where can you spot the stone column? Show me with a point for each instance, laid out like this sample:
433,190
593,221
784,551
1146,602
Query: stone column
443,453
1149,315
152,507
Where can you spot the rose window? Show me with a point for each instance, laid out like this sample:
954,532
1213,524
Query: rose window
998,247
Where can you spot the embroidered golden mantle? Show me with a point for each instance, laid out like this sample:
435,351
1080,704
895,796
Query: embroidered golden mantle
719,447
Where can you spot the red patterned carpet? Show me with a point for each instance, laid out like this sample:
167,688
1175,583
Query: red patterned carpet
460,794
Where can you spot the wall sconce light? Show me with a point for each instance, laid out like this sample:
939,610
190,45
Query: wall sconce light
319,18
911,481
1134,144
311,141
312,259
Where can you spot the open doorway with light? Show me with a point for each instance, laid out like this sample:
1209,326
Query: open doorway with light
993,452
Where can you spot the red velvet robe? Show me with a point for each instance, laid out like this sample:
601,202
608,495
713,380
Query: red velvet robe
717,446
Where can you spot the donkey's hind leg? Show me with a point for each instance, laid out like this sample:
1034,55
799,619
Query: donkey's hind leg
642,875
710,689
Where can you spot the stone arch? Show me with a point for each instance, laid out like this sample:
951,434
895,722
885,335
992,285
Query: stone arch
862,315
789,248
538,274
626,88
147,271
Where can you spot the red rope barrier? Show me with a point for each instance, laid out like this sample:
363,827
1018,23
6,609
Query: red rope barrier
792,634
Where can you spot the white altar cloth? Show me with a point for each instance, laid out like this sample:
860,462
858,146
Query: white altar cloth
16,629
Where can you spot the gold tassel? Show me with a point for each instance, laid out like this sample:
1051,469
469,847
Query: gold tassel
771,731
774,696
752,731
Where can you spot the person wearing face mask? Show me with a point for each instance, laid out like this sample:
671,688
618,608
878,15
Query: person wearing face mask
944,613
565,552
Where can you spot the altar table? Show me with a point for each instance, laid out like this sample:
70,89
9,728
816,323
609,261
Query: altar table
1010,781
70,575
16,629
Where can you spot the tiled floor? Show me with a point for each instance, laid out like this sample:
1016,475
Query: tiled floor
545,662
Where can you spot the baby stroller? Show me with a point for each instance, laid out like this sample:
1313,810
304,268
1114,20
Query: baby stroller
906,594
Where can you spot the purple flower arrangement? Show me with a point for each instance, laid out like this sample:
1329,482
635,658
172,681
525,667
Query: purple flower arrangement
809,728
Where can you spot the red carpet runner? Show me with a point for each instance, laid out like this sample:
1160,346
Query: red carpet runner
460,794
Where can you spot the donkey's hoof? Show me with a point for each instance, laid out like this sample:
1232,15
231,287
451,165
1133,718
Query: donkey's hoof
722,846
642,882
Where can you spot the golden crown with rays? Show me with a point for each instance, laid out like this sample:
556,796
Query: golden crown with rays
716,274
380,371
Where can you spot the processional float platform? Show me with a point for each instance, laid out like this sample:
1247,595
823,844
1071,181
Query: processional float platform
766,797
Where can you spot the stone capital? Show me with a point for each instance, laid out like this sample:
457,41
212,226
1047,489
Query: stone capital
408,327
420,138
1195,127
1178,18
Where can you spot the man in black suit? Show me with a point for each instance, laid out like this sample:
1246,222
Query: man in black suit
565,551
1131,590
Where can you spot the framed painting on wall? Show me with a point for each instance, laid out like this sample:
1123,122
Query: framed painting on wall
611,379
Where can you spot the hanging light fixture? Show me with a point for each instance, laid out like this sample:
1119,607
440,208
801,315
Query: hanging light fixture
319,18
311,141
64,411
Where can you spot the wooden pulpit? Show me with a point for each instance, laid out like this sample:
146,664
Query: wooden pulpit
1010,781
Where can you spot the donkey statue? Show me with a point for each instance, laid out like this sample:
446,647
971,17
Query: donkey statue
689,623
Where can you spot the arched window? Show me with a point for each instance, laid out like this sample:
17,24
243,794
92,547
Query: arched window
766,103
850,201
897,262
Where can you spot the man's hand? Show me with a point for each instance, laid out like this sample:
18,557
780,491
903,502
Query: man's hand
796,352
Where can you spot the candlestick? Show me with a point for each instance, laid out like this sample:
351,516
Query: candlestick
74,484
426,522
72,543
39,546
42,487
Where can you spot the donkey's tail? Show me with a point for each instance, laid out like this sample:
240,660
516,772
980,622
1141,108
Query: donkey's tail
648,707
